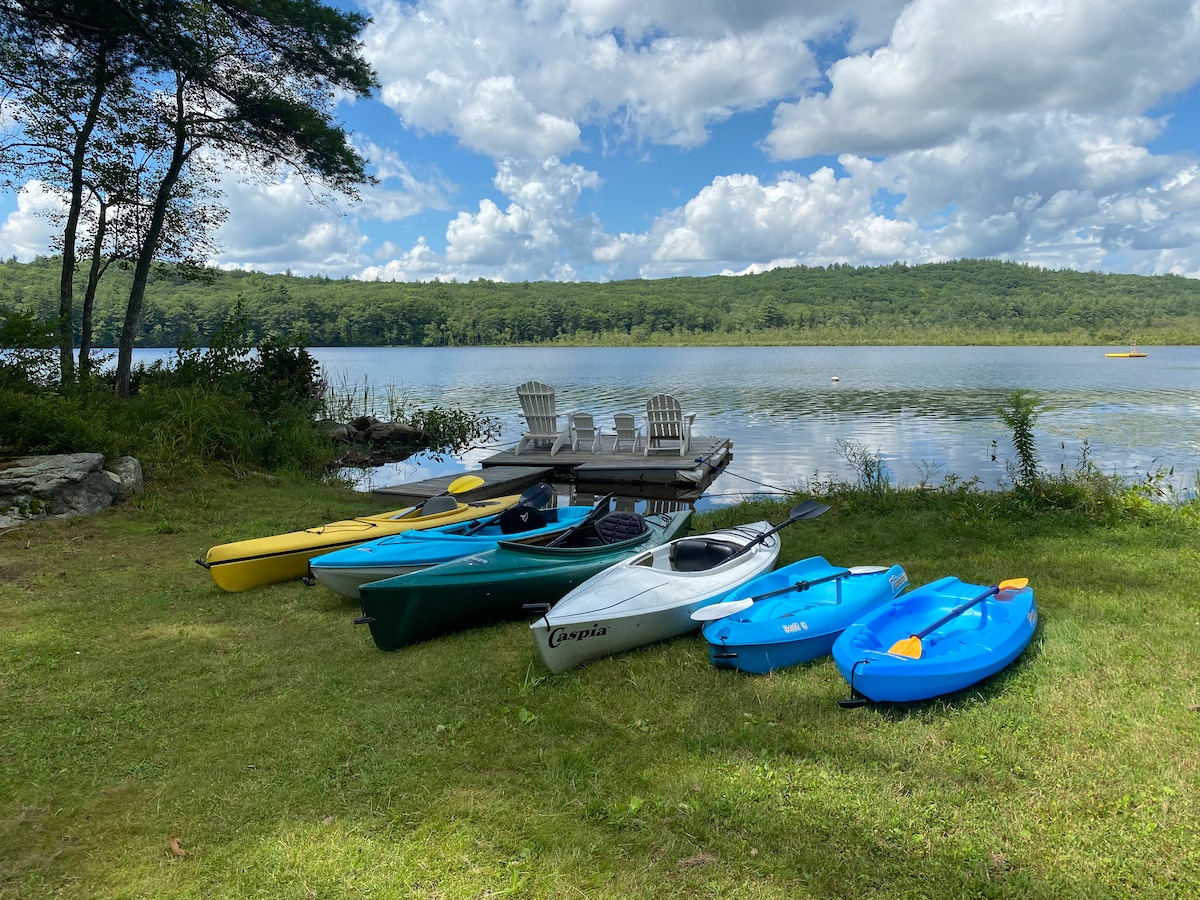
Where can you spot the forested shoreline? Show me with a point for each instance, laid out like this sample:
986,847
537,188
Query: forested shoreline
961,302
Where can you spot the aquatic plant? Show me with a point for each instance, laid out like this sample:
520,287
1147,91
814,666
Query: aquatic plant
1019,414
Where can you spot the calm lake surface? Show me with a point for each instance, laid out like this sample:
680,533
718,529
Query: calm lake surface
927,412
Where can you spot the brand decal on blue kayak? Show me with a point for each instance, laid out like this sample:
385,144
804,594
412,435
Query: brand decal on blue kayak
560,635
793,627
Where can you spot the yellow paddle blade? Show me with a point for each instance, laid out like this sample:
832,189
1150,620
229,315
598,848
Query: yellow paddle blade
465,483
909,646
1013,584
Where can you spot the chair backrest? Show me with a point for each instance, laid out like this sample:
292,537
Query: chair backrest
585,426
537,406
664,417
626,426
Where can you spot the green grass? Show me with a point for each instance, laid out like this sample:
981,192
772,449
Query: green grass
290,758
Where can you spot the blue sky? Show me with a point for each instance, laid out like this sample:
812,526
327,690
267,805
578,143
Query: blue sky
600,139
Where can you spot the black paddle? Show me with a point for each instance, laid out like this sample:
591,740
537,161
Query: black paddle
729,607
537,496
809,509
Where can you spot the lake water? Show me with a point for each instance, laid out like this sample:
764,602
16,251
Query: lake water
926,411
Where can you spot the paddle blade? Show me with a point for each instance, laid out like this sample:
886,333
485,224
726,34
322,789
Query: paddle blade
866,570
1013,584
809,509
909,646
721,610
465,483
538,495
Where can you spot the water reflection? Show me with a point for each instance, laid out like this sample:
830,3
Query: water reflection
927,412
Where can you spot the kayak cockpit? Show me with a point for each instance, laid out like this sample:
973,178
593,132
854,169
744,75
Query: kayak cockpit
700,554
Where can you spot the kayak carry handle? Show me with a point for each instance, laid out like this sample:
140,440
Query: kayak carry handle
364,620
539,608
855,699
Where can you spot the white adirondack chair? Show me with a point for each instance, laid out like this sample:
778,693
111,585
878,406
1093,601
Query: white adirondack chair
584,431
667,424
541,418
628,430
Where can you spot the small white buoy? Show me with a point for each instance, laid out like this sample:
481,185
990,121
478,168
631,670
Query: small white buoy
835,378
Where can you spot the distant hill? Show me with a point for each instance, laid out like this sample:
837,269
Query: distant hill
961,302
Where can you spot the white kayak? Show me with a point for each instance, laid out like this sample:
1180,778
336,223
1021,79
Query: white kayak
650,597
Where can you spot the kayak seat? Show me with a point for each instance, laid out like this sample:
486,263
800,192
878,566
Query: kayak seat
620,526
520,518
699,555
436,505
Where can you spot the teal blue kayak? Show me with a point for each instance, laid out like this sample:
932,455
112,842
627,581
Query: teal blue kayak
343,571
798,612
941,637
506,582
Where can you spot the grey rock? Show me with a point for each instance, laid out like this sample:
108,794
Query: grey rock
129,471
63,485
392,432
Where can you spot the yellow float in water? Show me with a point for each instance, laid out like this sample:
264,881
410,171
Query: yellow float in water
1133,352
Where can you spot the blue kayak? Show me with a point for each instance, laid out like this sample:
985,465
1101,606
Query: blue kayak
941,637
344,571
808,604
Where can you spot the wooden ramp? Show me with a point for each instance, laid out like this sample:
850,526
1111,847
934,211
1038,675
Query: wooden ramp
497,482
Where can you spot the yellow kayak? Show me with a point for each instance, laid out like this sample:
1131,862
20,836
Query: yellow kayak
245,564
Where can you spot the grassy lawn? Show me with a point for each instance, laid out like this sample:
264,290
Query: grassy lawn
287,757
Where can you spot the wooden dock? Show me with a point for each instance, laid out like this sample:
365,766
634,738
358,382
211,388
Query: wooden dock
697,468
662,479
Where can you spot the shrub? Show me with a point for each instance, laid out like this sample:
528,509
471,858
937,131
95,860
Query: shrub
1020,415
448,430
45,422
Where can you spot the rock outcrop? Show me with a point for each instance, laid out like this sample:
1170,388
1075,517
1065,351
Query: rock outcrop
367,441
64,485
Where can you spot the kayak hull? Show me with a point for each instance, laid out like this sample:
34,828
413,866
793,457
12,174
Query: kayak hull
344,571
241,565
801,625
494,586
973,645
646,598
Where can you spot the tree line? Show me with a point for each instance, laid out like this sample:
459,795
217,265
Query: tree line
960,302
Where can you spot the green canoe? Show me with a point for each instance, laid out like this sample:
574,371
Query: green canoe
499,584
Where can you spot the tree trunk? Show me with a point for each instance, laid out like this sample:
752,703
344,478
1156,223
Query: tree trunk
98,268
66,283
149,247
